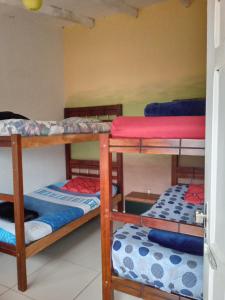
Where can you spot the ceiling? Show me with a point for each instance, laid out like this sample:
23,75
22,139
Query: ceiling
97,8
85,12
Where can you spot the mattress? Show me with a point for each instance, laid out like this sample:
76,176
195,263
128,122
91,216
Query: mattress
38,128
55,207
188,127
135,257
171,206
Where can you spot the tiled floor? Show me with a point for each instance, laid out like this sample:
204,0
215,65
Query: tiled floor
68,270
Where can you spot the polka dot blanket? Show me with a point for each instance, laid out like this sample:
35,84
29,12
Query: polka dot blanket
171,206
135,257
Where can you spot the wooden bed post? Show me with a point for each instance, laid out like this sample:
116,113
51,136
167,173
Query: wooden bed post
68,159
119,158
175,164
106,223
19,212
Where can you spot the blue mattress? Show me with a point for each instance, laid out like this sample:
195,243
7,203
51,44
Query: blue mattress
135,257
55,207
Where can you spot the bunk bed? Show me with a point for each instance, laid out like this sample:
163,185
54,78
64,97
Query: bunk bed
128,137
17,143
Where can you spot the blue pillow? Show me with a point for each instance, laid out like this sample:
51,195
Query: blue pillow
191,107
177,241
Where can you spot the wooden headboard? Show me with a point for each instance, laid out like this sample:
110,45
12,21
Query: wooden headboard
90,168
178,172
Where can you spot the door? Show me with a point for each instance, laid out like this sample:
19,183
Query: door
214,272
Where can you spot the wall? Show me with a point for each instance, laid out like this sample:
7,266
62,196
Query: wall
161,55
31,83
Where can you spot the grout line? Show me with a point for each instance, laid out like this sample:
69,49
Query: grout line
7,289
87,285
82,266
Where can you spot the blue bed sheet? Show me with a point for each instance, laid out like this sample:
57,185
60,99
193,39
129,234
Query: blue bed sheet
55,207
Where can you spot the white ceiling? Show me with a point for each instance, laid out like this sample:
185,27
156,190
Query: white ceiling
96,8
67,12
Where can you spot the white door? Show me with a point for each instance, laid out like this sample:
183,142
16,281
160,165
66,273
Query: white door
214,288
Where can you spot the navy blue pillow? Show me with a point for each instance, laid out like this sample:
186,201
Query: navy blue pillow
191,107
177,241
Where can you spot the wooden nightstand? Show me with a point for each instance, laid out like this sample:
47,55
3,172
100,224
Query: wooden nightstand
137,202
142,197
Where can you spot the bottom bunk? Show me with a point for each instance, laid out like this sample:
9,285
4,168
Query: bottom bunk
137,258
54,208
168,261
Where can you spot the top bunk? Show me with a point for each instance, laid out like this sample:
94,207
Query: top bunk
173,135
76,127
175,128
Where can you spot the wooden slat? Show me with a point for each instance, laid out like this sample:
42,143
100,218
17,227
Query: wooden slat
46,141
5,141
191,230
163,150
192,143
124,149
157,223
192,152
142,197
124,142
125,218
168,143
160,224
94,111
127,286
8,249
142,291
7,198
150,293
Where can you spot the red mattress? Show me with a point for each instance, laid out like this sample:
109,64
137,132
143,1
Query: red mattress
191,127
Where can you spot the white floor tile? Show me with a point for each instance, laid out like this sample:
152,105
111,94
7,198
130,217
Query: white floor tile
82,247
3,289
58,280
8,264
94,291
11,295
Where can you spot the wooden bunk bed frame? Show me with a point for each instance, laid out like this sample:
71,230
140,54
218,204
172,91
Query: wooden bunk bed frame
174,147
73,167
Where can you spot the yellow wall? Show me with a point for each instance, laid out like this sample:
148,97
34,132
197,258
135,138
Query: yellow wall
158,56
161,55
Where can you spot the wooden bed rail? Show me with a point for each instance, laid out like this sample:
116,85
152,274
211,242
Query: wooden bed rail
7,197
173,226
192,147
142,291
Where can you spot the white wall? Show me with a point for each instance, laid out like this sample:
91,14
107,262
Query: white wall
31,83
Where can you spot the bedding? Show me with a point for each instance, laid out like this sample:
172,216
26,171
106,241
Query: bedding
36,128
135,257
195,194
189,127
158,262
4,115
83,185
177,241
171,206
188,107
55,208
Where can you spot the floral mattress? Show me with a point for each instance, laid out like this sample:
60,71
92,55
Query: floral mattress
66,126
